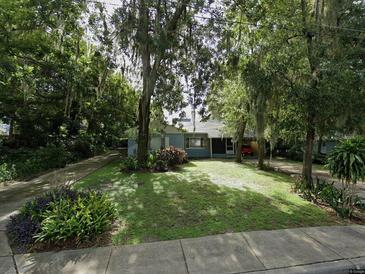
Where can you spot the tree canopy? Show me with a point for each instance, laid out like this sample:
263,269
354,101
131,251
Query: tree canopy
301,66
291,70
54,84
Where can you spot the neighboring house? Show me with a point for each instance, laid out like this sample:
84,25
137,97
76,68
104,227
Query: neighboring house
199,140
327,146
4,129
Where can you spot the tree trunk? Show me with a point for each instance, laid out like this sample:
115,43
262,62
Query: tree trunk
149,81
150,71
240,136
147,90
260,129
143,131
314,63
307,161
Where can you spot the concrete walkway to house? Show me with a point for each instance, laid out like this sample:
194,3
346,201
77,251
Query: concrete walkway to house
295,168
302,250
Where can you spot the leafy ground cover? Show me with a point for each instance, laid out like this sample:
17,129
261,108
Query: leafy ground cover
25,163
62,218
202,198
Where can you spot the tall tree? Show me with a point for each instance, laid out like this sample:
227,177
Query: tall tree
308,52
325,30
228,101
53,85
258,45
158,36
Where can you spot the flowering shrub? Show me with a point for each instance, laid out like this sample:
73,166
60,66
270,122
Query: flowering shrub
172,156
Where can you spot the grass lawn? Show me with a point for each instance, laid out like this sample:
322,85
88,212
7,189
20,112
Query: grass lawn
202,198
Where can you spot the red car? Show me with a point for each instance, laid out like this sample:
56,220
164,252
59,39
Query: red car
246,150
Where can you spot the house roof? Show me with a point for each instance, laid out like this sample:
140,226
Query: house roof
172,129
214,128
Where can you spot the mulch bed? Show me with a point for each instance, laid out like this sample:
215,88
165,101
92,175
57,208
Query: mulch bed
100,240
104,239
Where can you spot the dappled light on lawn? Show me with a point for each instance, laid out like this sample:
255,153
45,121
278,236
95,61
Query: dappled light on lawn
202,198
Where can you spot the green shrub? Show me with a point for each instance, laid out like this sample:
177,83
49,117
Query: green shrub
151,161
58,215
23,227
296,152
36,207
81,219
83,147
334,197
327,193
347,163
301,188
360,203
53,156
172,156
129,164
7,172
27,162
319,158
161,166
347,160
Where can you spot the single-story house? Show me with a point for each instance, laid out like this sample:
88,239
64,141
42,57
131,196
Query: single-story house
199,140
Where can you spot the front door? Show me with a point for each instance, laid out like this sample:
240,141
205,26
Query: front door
218,146
229,146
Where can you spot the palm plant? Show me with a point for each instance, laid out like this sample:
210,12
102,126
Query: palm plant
347,163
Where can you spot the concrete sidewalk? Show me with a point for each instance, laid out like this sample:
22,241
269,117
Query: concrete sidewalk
302,250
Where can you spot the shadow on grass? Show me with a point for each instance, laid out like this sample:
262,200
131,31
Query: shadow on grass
183,204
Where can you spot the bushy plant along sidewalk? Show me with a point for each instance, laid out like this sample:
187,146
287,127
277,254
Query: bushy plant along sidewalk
24,163
160,161
170,157
59,216
346,163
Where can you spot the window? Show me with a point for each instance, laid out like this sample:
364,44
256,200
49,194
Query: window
194,142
